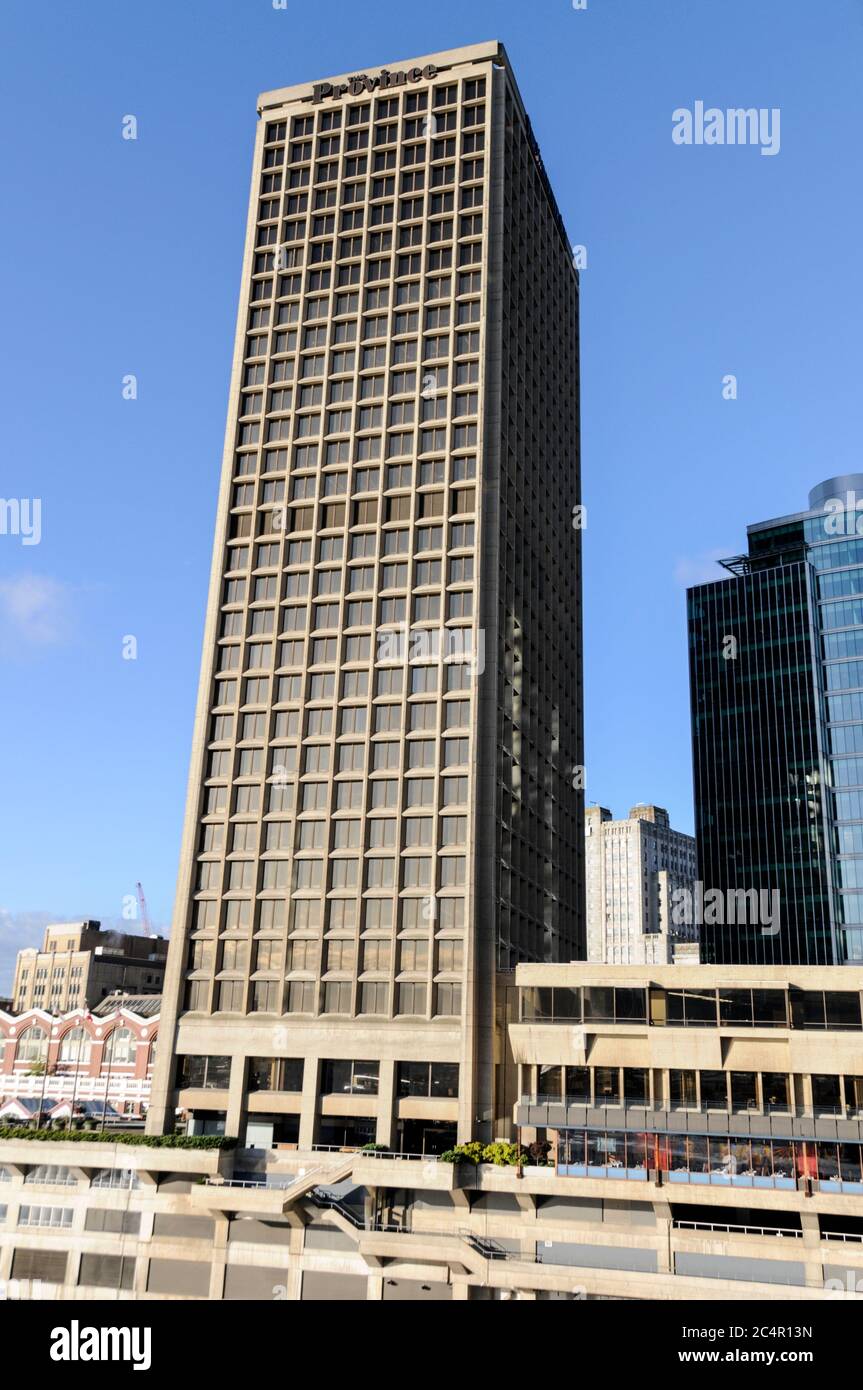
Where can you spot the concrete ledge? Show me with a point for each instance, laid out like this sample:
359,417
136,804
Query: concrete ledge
80,1154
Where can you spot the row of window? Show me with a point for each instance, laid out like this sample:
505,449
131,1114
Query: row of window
459,535
414,832
356,114
386,130
415,752
53,1176
340,955
348,171
119,1047
336,998
382,795
711,1158
331,876
683,1089
333,615
353,274
395,548
705,1007
430,1079
340,914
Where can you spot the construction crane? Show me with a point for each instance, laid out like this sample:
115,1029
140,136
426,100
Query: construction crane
142,904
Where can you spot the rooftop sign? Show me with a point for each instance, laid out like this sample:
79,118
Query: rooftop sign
385,81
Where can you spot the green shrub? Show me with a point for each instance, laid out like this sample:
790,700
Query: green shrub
500,1152
133,1137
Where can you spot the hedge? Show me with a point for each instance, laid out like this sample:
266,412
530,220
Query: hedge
135,1137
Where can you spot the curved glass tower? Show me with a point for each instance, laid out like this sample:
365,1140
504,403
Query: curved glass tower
776,674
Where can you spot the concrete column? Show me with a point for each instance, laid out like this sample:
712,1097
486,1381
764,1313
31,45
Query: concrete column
369,1205
235,1119
217,1276
375,1288
664,1256
73,1268
221,1229
308,1114
460,1291
386,1104
811,1228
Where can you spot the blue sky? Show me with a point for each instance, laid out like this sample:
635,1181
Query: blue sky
124,257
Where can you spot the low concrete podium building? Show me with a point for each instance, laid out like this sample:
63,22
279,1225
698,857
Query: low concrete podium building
705,1141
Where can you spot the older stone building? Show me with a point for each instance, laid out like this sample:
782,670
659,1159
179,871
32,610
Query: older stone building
79,964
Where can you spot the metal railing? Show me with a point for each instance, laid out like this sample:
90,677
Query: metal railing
491,1249
732,1229
809,1112
360,1152
322,1198
280,1185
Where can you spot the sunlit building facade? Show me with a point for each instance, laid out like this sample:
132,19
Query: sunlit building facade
384,806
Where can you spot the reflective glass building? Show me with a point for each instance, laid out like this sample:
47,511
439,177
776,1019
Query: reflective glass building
776,676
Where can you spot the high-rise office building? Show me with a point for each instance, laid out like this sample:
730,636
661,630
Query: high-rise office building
384,806
776,666
635,870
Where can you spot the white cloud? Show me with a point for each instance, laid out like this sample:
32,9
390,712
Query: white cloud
701,569
34,610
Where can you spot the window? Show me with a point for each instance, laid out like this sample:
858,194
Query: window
48,1266
439,1079
350,1078
32,1045
275,1074
411,999
49,1176
337,997
75,1047
682,1090
107,1271
119,1047
45,1216
374,997
204,1073
447,1000
116,1178
301,997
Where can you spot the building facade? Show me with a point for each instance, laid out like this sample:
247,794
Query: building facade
79,964
89,1061
383,809
633,870
777,713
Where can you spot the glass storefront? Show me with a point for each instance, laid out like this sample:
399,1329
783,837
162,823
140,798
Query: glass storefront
724,1160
